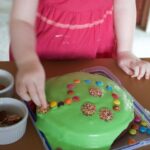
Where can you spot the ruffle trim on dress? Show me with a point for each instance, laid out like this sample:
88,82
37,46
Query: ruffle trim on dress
74,26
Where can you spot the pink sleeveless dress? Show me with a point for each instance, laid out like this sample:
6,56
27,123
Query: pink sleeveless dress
75,29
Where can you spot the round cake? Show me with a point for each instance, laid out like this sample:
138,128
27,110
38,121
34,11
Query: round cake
86,112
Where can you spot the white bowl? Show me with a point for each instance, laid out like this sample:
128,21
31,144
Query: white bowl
7,80
13,133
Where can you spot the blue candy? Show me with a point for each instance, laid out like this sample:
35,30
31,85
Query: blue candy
143,129
99,83
109,88
87,81
148,131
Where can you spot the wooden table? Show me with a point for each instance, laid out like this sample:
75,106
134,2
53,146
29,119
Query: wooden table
139,89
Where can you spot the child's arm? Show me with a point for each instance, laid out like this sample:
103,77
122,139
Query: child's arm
125,22
30,77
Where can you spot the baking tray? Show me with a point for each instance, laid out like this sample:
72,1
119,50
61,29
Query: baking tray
142,139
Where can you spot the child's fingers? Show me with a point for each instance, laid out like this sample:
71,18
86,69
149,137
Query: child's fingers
33,93
127,70
142,71
147,74
136,71
22,91
41,94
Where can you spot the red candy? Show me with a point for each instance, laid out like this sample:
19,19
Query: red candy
115,96
76,98
70,86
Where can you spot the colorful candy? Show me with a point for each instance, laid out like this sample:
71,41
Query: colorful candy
148,131
132,131
87,81
115,96
144,123
53,104
70,86
68,101
131,141
70,92
137,119
76,98
142,129
61,103
99,83
116,108
76,81
135,126
109,88
116,102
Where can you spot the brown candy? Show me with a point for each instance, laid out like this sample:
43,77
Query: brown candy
116,108
88,109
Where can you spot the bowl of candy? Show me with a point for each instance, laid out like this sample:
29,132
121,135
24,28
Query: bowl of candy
13,120
6,83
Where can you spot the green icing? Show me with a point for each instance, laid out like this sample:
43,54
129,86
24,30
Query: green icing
68,128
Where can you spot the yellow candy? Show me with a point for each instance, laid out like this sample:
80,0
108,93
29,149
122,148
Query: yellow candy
53,104
77,81
132,131
116,102
143,123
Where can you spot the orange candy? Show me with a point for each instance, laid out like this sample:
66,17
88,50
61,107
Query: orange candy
76,81
131,141
68,101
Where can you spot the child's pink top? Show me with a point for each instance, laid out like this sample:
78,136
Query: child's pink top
70,29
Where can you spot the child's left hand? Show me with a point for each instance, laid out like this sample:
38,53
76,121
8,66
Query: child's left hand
133,66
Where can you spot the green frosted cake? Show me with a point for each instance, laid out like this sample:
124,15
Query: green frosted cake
87,112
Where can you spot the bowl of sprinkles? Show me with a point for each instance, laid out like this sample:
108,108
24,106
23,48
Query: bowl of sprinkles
13,120
6,83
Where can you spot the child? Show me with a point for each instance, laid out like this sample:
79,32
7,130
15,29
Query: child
70,29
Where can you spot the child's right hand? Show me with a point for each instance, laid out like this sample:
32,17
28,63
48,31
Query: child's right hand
30,83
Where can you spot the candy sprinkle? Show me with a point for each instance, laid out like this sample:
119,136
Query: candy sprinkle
105,114
88,109
42,110
95,92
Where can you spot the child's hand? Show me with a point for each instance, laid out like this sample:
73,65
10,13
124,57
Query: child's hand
133,66
30,83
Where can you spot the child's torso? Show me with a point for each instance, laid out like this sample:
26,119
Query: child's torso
69,29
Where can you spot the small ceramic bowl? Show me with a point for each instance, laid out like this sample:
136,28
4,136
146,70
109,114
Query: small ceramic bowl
6,83
12,133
